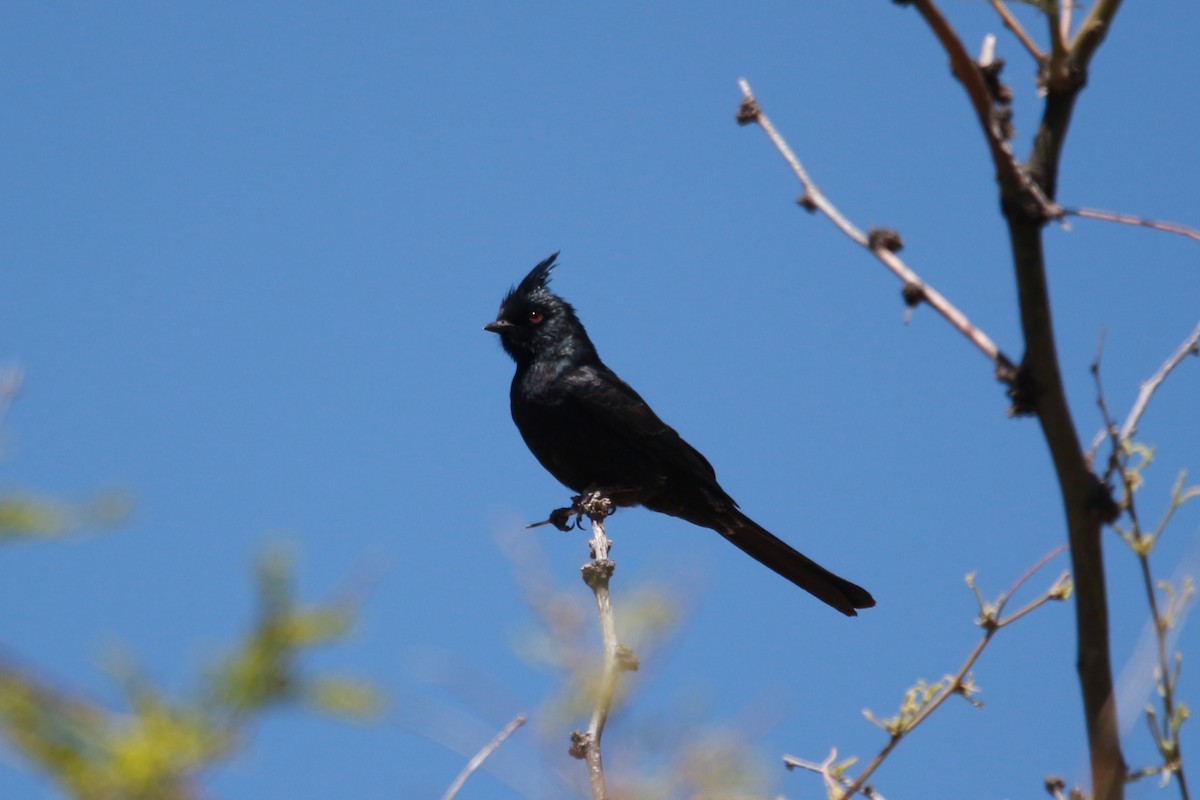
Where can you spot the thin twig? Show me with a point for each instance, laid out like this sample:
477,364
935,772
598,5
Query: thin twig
814,198
834,780
991,621
1110,427
1166,685
1058,39
596,574
1064,26
1039,601
1013,178
1132,219
824,769
1015,26
1029,573
1091,32
608,627
476,762
1142,543
1190,346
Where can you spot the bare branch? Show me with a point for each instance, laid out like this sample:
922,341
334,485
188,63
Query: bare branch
883,248
1092,32
1141,542
1131,219
1056,65
1064,25
1190,346
1057,591
1110,427
476,762
1027,195
830,772
1119,437
1013,25
585,745
1015,182
960,683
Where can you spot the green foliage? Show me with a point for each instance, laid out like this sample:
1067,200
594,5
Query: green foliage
262,670
155,747
916,699
158,747
24,516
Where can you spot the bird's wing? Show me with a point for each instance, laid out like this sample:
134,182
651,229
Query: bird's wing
614,404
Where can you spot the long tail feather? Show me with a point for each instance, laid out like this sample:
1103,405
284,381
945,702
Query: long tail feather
776,554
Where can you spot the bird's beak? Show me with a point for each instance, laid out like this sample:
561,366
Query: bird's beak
499,326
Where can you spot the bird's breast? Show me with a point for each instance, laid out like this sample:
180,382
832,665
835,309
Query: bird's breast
574,446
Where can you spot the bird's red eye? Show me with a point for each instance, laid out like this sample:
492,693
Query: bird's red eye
535,317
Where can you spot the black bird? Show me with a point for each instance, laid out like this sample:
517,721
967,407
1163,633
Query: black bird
592,431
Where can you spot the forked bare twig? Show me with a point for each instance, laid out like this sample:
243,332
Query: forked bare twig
831,773
1163,616
1018,30
991,619
883,247
1190,346
1014,180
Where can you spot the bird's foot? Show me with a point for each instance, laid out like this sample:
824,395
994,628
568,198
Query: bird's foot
561,518
593,504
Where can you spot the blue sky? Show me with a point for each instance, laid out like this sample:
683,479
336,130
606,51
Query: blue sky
248,250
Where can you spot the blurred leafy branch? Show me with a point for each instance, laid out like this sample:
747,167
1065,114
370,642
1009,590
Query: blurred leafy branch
159,746
25,516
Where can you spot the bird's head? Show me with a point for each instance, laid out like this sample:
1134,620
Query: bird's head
533,321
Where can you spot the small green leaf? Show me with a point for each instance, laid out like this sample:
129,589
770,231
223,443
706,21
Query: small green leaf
344,697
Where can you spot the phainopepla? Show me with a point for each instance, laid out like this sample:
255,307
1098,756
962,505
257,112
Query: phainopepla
593,432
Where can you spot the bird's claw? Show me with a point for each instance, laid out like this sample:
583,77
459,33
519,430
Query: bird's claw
561,518
596,503
592,503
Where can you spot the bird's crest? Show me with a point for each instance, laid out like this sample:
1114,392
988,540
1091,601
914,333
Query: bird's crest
536,281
